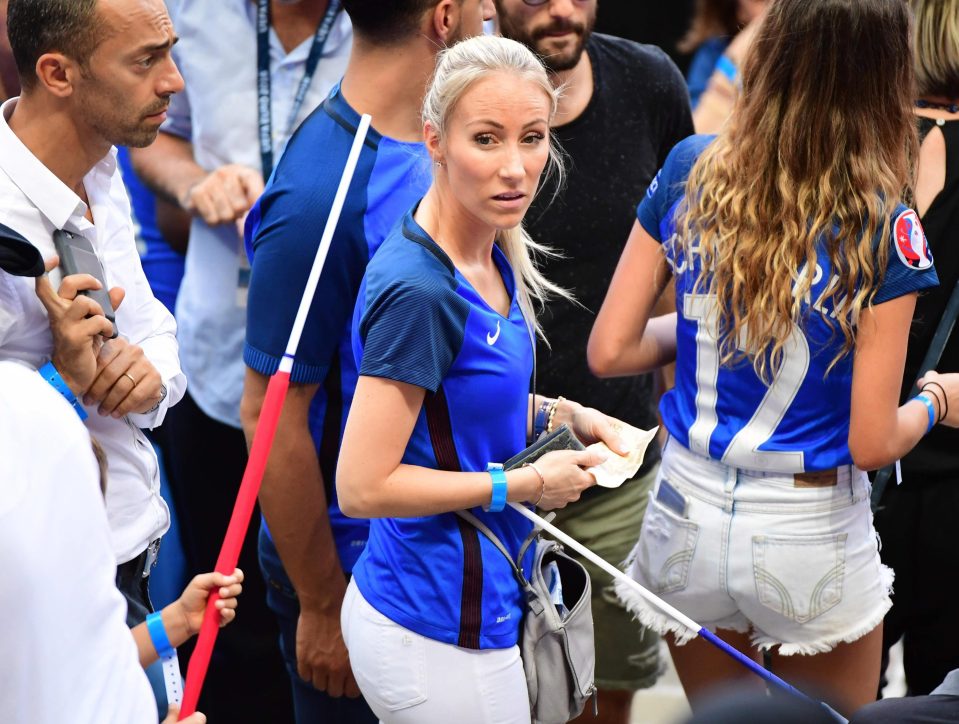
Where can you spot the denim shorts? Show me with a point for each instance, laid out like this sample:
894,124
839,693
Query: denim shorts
792,560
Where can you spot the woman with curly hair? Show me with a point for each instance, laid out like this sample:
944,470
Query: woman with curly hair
796,266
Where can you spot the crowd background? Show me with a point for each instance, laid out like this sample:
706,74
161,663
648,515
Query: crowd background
706,40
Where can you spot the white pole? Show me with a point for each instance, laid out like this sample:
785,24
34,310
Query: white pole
325,241
606,566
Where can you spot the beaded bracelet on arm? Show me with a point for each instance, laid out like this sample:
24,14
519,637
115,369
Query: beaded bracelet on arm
552,413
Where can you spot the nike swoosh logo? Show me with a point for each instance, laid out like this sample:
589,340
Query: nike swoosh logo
491,338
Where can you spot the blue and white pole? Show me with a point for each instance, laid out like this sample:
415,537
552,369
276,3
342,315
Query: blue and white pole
669,610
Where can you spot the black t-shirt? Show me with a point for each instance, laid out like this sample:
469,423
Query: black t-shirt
639,110
936,457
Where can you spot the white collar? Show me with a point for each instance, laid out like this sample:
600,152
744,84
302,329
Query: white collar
53,198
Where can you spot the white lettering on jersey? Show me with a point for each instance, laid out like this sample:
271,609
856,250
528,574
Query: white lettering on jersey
743,450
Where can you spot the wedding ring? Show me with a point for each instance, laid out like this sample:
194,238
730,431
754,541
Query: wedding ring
129,377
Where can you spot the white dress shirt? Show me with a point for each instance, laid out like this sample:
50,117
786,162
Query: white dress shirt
66,653
34,202
217,112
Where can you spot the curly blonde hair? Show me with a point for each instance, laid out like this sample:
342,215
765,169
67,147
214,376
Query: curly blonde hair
819,150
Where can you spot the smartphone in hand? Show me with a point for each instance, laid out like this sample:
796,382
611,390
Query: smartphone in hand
78,257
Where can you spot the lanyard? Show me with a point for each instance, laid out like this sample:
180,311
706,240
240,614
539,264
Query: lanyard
264,99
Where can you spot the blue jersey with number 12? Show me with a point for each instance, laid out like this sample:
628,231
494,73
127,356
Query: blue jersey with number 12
800,421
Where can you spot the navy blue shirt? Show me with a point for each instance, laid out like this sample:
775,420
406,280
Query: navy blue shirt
419,321
801,421
283,232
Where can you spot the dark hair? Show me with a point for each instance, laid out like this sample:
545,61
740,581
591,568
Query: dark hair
387,23
711,19
36,27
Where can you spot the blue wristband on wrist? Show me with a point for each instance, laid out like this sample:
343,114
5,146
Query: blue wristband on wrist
539,421
498,498
51,375
161,642
930,408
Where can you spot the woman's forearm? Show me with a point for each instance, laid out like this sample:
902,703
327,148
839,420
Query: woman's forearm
412,491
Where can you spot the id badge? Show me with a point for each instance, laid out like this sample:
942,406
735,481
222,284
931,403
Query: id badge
671,498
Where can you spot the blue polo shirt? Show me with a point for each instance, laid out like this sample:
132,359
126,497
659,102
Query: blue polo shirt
283,233
419,321
799,422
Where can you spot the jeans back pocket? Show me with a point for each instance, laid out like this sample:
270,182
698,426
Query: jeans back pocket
666,548
799,577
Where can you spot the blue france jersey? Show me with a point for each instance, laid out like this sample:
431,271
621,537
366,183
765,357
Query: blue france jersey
800,422
283,231
419,321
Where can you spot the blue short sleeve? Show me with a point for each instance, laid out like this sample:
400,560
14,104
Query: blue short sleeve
411,328
669,185
285,227
909,267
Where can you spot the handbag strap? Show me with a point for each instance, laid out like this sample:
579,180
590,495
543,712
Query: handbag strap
497,543
931,360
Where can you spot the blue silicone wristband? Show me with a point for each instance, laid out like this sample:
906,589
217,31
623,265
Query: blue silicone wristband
52,375
161,642
498,498
930,408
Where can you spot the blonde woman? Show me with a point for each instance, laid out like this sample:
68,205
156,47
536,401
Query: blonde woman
796,267
916,519
443,336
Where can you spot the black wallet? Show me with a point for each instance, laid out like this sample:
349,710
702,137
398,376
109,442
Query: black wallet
561,438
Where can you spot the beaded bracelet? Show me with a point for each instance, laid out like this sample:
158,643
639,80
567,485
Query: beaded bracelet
552,413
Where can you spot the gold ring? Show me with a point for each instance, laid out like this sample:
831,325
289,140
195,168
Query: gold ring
129,377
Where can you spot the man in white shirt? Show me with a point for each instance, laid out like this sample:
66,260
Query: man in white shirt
94,73
249,79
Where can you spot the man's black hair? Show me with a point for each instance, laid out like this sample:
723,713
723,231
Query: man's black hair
386,23
36,27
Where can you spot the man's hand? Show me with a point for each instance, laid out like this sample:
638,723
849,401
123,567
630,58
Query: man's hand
321,656
224,195
126,381
77,323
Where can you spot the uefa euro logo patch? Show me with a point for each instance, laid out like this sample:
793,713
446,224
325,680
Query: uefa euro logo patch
911,244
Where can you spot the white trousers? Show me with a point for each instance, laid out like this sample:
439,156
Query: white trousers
407,678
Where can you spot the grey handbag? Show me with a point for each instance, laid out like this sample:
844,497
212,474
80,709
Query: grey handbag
556,641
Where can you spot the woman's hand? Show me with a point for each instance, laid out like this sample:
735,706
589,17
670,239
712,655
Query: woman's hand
948,384
591,425
192,604
564,478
